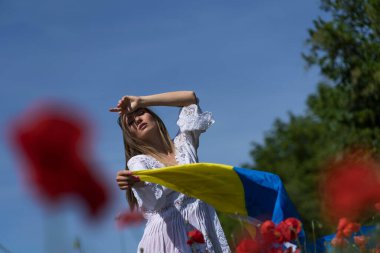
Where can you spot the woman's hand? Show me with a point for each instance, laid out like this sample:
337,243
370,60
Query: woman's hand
127,104
125,179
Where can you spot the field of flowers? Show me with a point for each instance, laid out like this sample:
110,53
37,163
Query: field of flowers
54,145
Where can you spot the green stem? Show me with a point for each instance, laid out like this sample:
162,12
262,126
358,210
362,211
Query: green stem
314,237
233,241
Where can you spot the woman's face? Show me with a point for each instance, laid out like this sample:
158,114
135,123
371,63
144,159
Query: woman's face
141,124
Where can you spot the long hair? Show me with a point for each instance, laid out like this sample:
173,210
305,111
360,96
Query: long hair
134,146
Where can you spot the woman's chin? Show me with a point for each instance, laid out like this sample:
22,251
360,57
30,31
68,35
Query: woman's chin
146,134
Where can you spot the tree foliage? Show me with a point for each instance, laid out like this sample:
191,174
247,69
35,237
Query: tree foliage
343,112
347,51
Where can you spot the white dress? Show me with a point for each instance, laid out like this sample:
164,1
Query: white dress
170,214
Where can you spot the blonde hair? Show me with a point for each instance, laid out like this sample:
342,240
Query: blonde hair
134,146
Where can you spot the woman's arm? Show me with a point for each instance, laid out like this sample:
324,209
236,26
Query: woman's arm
129,104
175,98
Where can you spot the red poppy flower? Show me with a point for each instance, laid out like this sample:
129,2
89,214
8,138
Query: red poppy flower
351,187
339,234
346,228
351,227
294,224
343,222
267,231
267,227
377,206
339,242
361,240
128,218
52,141
289,229
282,232
195,236
249,246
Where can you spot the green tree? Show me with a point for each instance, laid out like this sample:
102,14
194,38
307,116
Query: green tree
345,110
347,51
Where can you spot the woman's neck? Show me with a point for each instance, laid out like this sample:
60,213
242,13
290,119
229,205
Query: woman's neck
160,147
165,156
163,153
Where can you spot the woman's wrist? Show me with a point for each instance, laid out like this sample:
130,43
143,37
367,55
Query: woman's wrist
144,101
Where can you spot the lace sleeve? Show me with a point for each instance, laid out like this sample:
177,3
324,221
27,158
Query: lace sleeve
149,196
193,121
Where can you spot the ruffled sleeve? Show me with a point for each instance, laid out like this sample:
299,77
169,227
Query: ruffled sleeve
149,196
192,121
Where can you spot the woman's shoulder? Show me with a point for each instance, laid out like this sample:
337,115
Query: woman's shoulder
138,162
192,118
141,162
189,110
138,156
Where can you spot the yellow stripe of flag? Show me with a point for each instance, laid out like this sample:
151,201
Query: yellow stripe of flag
215,184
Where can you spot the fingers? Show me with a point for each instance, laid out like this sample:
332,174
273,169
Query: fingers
125,179
124,173
114,109
122,105
128,179
125,185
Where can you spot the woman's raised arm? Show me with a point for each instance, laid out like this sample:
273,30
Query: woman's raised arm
129,104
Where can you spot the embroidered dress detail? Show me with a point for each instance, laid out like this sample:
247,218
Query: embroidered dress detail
191,118
171,215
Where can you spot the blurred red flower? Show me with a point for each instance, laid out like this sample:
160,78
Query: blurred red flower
343,222
377,206
128,218
195,236
267,231
339,242
249,246
351,187
345,228
294,224
52,141
267,227
350,228
289,229
272,237
361,241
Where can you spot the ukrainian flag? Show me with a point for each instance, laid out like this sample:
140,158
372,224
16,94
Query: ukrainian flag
244,192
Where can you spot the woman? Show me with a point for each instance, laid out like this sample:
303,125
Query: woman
170,215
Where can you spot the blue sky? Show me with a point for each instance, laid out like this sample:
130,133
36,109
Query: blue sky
242,58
